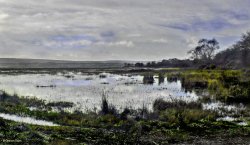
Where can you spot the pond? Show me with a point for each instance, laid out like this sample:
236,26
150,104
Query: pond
132,91
86,90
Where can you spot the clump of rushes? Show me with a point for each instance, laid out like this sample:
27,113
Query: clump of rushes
161,78
184,117
161,105
180,113
61,104
148,79
107,108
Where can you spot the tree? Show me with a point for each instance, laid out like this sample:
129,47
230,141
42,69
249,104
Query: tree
205,50
244,46
139,64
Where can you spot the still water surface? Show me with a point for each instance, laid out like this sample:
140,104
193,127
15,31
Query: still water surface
86,91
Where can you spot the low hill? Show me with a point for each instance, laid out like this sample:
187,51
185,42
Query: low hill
43,63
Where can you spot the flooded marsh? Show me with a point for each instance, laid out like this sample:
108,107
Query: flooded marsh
74,103
85,91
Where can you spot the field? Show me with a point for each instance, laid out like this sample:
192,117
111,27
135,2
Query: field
125,106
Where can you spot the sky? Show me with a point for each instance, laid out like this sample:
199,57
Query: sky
117,29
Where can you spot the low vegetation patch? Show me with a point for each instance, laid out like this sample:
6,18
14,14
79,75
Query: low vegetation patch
231,86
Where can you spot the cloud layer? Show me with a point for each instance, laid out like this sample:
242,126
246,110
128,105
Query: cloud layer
115,29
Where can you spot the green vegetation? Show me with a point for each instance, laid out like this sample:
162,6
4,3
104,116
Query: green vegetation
169,122
174,122
230,86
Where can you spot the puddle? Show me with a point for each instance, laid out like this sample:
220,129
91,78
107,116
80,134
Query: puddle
232,119
27,120
224,109
227,118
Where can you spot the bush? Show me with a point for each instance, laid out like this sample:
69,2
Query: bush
148,79
186,116
161,105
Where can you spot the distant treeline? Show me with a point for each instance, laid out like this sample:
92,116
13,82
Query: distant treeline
164,63
204,56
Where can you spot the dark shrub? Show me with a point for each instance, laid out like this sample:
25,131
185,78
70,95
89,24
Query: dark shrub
61,104
124,114
161,78
160,105
106,108
148,79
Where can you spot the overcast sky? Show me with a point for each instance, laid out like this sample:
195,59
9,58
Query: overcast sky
117,29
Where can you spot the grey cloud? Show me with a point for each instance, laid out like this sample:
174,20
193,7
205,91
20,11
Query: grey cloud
115,29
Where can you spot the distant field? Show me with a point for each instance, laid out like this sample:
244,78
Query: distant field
40,63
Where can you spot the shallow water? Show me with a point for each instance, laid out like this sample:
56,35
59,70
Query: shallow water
122,91
27,120
86,90
223,109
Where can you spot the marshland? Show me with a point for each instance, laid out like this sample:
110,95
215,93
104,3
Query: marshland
162,106
201,100
125,72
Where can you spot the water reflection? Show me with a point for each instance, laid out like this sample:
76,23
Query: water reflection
148,79
151,79
172,79
85,90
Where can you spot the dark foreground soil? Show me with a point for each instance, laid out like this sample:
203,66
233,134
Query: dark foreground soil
219,141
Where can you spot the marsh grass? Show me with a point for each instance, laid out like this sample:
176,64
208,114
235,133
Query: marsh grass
148,79
161,105
181,113
231,86
106,107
